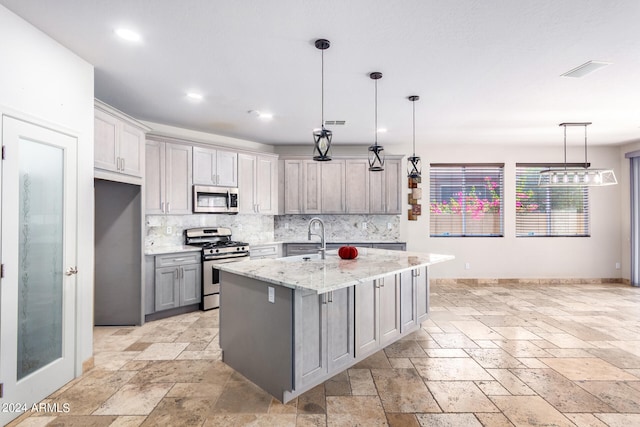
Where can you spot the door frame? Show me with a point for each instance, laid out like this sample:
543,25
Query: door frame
74,298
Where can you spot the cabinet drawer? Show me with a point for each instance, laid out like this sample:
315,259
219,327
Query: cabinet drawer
301,248
178,259
265,251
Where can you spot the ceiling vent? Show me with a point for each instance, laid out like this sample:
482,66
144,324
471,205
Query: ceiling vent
335,122
586,68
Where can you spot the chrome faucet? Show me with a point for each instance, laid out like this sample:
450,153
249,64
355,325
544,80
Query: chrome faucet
323,243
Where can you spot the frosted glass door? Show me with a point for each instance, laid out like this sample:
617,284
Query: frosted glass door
40,256
38,247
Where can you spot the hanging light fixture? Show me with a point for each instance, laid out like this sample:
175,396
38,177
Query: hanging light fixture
414,168
322,137
376,152
571,175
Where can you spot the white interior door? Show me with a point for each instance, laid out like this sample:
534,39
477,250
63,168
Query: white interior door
38,250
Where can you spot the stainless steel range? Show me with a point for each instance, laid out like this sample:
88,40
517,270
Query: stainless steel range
217,248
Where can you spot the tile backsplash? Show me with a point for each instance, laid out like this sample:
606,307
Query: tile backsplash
340,228
253,229
168,230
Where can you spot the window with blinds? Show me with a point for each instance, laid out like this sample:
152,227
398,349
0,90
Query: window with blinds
466,200
547,212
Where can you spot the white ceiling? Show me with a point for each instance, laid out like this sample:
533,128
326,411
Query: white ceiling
486,71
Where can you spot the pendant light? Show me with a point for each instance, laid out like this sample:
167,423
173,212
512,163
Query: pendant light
322,137
376,152
572,176
414,168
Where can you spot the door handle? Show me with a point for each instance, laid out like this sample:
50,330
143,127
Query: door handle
122,164
71,271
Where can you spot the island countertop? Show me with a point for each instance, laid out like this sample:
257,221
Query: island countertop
332,273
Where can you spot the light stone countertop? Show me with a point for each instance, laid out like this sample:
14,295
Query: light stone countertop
332,273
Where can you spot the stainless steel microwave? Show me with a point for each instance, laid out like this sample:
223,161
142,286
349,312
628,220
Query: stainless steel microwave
208,199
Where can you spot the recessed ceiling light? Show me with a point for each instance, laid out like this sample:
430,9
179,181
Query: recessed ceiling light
586,68
382,130
127,34
195,96
260,114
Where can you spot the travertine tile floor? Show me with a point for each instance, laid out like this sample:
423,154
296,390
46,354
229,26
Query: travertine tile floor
523,355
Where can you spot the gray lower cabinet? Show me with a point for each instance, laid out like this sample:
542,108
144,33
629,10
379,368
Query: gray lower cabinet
270,250
294,249
323,335
390,246
178,280
305,338
414,298
377,314
421,280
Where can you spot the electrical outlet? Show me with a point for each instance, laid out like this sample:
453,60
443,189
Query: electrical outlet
286,225
364,225
272,295
169,230
617,266
389,226
239,227
467,266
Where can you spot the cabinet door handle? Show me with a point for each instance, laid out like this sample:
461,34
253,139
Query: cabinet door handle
162,207
324,298
122,164
330,296
181,273
168,207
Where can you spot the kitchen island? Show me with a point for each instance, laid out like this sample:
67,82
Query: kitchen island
289,324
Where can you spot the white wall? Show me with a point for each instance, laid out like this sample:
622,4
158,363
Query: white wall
523,257
42,81
508,256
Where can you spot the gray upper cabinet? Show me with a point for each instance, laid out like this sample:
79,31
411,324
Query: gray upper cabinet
342,186
215,167
118,145
385,193
293,175
332,188
357,186
258,184
168,178
311,187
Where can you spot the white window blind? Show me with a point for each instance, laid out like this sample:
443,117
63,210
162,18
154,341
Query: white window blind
547,212
466,200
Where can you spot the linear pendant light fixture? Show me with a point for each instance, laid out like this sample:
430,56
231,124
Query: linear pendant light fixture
376,152
322,137
414,166
576,176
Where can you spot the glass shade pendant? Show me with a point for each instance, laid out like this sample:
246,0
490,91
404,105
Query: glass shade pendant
322,137
414,166
571,176
376,152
